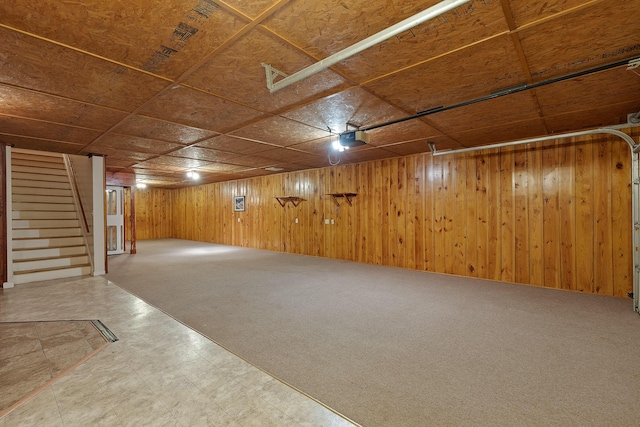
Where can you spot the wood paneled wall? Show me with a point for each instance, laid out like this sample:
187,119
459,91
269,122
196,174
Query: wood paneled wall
154,213
555,214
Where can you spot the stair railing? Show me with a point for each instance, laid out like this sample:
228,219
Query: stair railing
77,200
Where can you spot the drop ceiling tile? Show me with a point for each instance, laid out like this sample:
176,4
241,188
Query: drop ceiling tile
40,144
404,131
36,64
503,133
453,30
160,37
516,107
421,146
247,84
319,147
172,162
200,110
588,91
458,77
279,131
147,127
528,11
251,8
352,156
592,117
562,46
252,161
40,106
234,145
221,167
293,156
132,143
206,154
44,130
356,106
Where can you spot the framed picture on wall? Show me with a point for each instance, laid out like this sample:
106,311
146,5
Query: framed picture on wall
238,205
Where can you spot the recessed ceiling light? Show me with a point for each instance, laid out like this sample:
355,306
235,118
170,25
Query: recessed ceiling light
273,169
193,175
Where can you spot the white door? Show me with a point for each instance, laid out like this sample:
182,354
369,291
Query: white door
115,220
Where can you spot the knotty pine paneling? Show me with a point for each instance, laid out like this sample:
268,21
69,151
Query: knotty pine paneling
154,213
555,214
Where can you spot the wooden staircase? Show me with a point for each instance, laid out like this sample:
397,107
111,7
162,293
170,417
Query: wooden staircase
47,241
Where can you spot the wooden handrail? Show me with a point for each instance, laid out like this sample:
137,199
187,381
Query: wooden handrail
74,184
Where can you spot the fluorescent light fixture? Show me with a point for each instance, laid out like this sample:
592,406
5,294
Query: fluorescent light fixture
141,185
400,27
273,169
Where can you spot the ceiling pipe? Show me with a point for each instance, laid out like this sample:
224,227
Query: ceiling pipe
624,136
400,27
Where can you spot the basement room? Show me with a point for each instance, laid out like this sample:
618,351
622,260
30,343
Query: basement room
319,213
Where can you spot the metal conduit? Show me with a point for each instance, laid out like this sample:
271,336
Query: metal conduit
635,187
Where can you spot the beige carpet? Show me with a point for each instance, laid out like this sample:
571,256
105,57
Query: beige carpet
393,347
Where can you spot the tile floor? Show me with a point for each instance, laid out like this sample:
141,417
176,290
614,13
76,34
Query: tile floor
159,373
34,353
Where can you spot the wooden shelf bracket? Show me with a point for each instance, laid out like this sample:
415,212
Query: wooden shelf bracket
348,197
294,200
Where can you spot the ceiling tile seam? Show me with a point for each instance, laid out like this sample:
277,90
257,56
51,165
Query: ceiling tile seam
557,15
41,139
433,58
584,110
50,122
246,28
84,52
511,122
64,98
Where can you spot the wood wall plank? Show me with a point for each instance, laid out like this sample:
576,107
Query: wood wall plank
555,214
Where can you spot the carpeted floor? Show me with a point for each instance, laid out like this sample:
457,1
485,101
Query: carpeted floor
394,347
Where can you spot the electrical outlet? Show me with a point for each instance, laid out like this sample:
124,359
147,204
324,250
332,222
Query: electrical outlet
238,219
296,220
332,221
326,222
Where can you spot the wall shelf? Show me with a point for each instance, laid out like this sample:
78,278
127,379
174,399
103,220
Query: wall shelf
346,196
294,200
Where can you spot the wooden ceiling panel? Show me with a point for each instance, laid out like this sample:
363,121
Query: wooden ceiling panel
352,156
404,131
221,167
320,146
528,11
35,64
356,106
147,127
461,27
173,162
517,107
200,110
503,133
461,76
234,145
420,146
206,154
584,92
131,143
39,106
165,38
40,144
293,156
279,131
592,117
251,8
582,39
45,130
248,83
252,161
